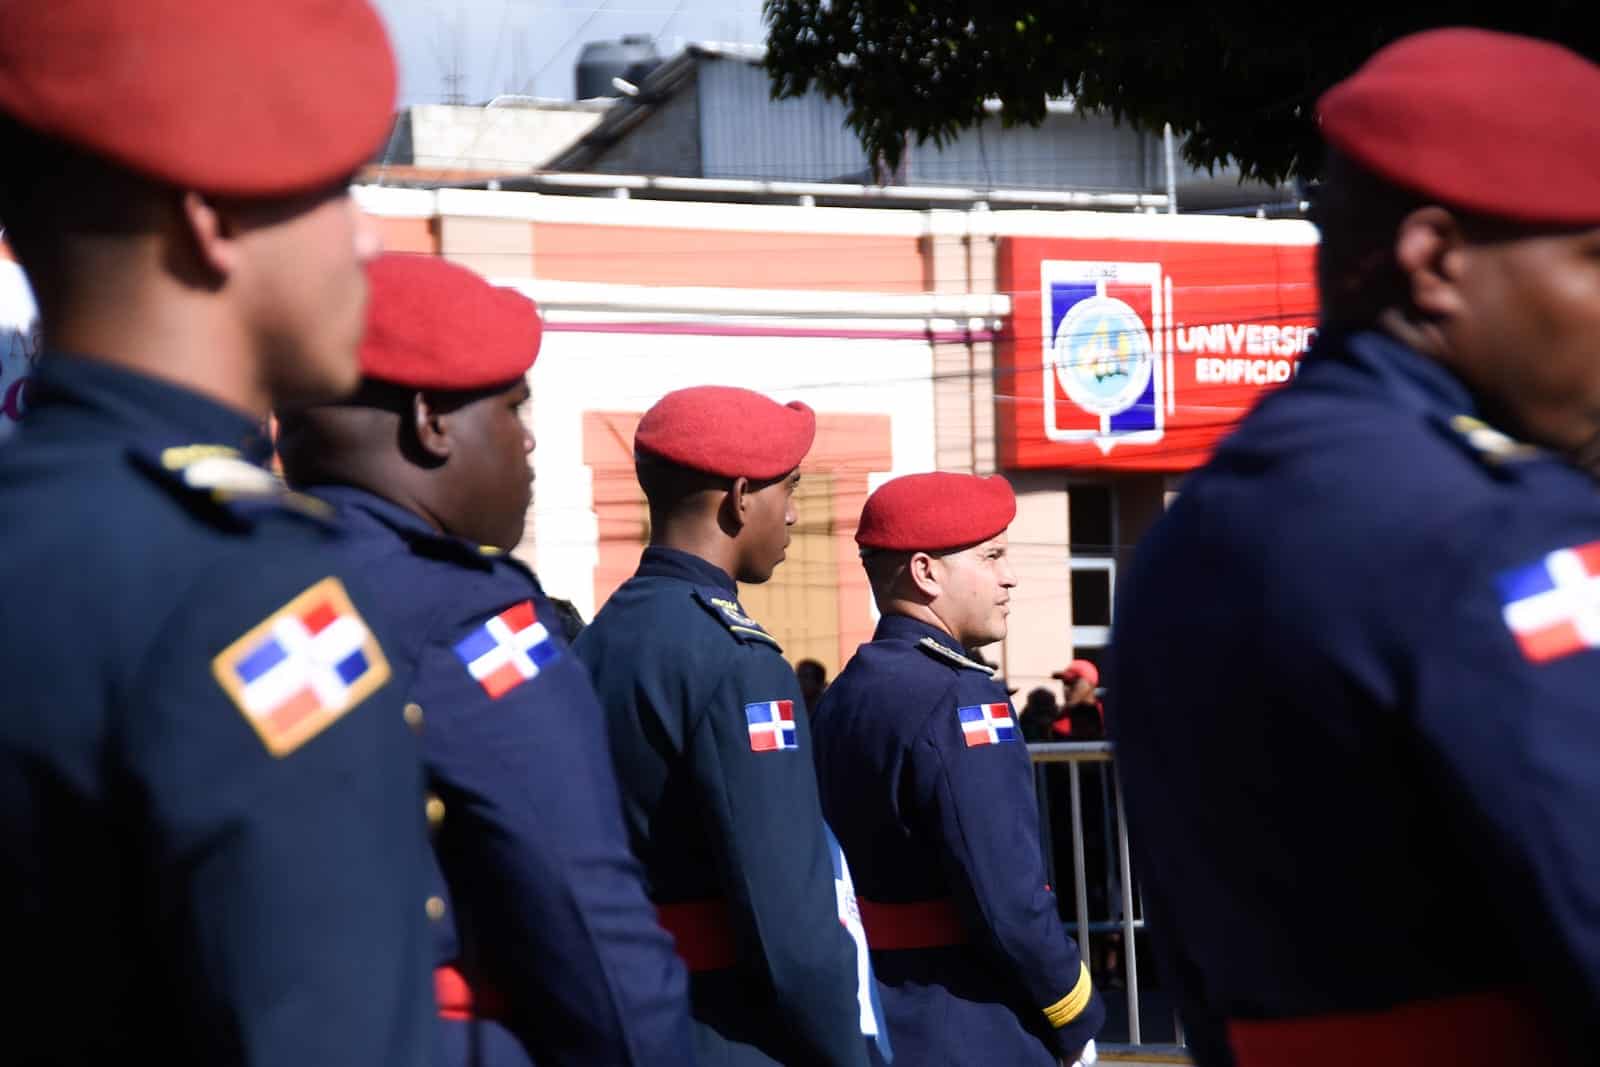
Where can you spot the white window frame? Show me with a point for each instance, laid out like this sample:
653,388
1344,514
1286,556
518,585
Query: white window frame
1094,636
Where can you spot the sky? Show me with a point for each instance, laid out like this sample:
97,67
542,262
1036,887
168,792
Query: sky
532,46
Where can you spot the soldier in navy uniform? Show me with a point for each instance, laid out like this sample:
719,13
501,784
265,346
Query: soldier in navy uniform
547,948
709,733
1377,843
211,843
926,780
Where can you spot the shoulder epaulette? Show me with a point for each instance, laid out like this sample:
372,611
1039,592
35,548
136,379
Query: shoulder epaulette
939,651
731,615
221,476
1489,445
449,549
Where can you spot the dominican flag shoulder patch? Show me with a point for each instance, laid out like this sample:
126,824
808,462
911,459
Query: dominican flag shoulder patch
507,649
301,668
987,724
1552,607
771,725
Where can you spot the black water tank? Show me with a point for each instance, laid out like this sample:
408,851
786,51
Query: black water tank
631,59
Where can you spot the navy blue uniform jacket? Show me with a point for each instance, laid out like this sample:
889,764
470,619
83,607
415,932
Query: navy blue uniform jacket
545,906
720,795
931,810
211,842
1360,740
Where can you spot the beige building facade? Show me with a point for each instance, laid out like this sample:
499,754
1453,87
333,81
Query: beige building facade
920,338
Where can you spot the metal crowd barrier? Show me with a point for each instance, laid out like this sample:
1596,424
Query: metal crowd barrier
1122,911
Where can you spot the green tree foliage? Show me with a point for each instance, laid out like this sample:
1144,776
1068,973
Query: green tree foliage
1238,79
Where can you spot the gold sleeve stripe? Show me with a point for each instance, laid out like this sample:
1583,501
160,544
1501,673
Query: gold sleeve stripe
1071,1006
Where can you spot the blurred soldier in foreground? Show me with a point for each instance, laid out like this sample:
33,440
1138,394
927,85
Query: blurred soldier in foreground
712,743
546,944
1376,844
928,784
209,801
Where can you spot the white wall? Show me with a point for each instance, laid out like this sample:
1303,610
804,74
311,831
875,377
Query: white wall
580,372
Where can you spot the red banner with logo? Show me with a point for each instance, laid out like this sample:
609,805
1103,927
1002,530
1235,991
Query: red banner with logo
1142,355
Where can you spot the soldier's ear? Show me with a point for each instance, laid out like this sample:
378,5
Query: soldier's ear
430,426
1431,249
736,505
211,234
924,574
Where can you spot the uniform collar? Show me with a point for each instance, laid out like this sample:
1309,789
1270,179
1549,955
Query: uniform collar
659,561
360,507
1424,382
904,628
145,406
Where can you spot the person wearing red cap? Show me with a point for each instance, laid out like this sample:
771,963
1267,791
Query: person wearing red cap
926,779
212,846
1082,715
1376,842
546,947
712,745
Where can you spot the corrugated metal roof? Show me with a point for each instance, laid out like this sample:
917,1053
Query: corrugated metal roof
746,134
1065,152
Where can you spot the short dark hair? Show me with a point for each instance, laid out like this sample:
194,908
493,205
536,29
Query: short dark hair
667,485
1357,214
811,667
49,189
310,455
883,566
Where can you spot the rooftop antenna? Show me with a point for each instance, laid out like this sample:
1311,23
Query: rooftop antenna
447,53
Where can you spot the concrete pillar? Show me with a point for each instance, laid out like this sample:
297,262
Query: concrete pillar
1141,500
1040,638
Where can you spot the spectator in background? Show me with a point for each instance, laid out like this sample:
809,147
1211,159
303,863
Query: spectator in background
1039,715
1082,713
813,682
569,617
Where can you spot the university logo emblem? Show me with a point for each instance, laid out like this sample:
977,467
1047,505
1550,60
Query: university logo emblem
1107,377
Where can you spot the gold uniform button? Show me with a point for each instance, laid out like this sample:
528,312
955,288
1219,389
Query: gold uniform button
413,715
435,908
435,810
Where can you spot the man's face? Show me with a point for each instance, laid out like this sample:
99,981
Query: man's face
1528,339
304,288
765,538
1079,691
975,592
491,480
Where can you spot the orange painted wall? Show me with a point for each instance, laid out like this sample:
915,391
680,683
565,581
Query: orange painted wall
408,235
399,235
847,449
767,260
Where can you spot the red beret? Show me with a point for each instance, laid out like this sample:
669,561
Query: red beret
434,325
730,432
1079,668
234,97
930,512
1493,123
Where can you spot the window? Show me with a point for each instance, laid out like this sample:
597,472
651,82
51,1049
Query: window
1091,520
1092,581
1092,543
